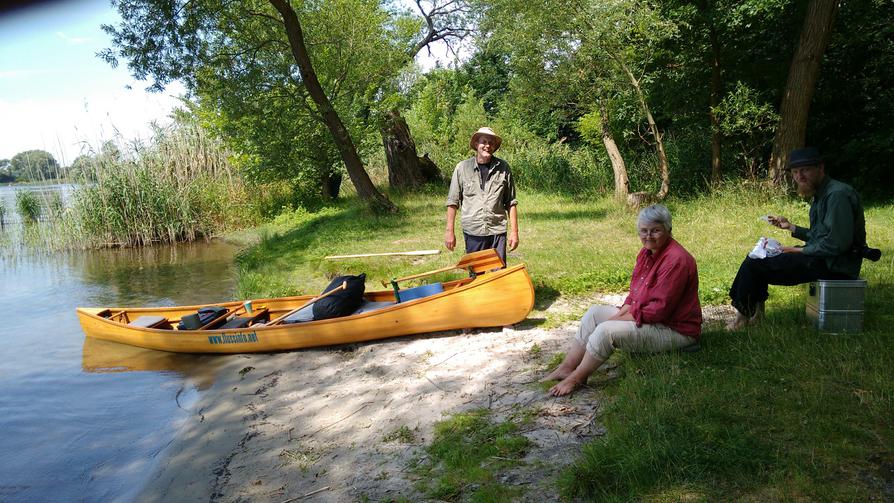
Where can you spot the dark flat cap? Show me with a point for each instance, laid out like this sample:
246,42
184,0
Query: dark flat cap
807,156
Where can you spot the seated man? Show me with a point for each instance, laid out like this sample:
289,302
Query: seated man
837,230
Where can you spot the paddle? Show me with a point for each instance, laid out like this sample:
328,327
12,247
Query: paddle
476,262
413,253
343,285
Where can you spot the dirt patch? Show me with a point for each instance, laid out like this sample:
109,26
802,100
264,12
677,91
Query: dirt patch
348,421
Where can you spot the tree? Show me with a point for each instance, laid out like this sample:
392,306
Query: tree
585,53
34,165
211,47
447,21
803,74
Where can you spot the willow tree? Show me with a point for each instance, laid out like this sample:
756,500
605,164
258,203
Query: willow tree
262,49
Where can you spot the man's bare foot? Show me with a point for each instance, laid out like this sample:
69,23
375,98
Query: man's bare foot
565,387
738,323
557,375
758,314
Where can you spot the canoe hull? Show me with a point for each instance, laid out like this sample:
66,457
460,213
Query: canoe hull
494,299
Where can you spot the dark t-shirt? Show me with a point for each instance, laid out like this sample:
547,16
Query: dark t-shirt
484,171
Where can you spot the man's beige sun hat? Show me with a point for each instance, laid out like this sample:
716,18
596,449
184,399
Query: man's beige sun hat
482,132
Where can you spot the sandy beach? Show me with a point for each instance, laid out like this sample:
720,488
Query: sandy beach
311,425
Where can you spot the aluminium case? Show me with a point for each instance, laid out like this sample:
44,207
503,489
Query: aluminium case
836,306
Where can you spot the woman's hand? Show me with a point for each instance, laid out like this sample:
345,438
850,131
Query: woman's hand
623,314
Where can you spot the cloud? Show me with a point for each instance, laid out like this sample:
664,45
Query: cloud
73,40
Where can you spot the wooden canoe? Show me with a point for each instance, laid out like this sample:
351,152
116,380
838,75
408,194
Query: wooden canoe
495,297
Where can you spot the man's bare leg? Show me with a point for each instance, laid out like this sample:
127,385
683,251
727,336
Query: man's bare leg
572,359
578,377
759,312
741,321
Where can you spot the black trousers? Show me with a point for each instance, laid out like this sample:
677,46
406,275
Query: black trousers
478,243
750,286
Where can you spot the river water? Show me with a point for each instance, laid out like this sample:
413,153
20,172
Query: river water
82,419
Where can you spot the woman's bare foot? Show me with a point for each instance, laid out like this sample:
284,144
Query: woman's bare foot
565,387
558,374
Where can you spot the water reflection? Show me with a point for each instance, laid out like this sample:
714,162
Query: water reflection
182,274
106,357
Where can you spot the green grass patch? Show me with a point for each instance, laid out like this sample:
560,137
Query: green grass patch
467,451
777,413
402,435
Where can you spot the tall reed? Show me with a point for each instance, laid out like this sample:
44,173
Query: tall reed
180,187
28,206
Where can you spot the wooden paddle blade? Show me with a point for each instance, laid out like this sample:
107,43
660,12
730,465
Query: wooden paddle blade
481,261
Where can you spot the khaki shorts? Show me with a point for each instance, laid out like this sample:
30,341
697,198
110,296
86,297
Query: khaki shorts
601,337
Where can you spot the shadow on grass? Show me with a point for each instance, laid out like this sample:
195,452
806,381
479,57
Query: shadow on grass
544,296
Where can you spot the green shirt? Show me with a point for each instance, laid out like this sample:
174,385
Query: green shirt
483,211
837,225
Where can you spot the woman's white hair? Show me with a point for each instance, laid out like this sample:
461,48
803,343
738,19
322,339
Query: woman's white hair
655,214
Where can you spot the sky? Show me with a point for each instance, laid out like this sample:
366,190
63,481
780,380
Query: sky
56,95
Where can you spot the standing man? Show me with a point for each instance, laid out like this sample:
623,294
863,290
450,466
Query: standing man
833,242
485,190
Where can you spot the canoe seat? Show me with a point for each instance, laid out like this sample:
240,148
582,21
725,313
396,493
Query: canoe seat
302,315
368,306
306,314
419,292
262,315
151,322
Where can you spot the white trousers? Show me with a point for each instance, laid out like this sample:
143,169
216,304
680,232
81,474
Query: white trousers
601,337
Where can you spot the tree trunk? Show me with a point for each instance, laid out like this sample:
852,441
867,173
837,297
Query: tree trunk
406,170
802,76
653,127
714,101
622,183
366,190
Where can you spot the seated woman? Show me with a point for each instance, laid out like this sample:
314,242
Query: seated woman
661,312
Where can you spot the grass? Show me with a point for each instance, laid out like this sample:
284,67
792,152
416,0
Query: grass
180,186
466,452
777,413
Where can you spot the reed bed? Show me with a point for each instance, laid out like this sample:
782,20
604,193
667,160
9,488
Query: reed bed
180,188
